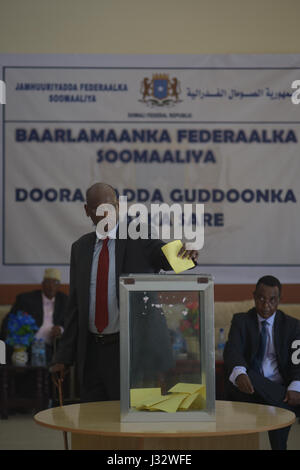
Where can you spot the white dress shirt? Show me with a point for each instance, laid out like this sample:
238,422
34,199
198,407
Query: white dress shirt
269,363
46,327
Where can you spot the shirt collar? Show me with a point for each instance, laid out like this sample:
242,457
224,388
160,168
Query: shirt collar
269,320
46,300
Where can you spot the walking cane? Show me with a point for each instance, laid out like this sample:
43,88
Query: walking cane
60,396
61,404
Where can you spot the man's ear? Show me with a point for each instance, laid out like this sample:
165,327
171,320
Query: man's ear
86,209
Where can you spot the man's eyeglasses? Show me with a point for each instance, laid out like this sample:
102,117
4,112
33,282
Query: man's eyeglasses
270,301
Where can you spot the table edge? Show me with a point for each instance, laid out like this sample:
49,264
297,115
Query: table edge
180,434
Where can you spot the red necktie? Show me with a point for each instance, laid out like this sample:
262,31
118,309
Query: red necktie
101,312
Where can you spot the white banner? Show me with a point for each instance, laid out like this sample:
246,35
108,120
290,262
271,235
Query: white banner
217,130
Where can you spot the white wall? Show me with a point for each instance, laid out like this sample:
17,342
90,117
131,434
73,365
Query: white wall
150,26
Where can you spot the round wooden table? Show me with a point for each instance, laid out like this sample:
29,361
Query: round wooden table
97,426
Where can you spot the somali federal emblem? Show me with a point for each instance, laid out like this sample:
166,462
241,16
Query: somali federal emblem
160,90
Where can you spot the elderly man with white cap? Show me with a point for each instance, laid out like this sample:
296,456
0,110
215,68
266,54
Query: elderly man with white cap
46,305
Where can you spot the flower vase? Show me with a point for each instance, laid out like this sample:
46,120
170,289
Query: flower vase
19,356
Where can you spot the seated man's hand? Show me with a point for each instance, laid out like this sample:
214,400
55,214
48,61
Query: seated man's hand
244,384
292,398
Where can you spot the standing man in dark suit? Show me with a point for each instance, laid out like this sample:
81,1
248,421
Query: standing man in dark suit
96,348
47,306
258,356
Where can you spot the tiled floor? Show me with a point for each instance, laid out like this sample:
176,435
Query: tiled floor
20,432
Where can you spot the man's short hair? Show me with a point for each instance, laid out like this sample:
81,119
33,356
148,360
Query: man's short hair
99,184
269,281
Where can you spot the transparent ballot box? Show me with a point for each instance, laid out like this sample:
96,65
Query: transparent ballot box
167,348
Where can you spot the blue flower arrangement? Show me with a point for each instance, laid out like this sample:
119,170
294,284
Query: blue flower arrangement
21,329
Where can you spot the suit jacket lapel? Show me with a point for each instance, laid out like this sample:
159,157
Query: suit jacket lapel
57,314
39,309
86,266
254,332
120,249
56,309
278,338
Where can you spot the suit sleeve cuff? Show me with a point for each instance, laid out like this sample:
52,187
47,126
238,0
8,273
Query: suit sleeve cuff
236,371
295,386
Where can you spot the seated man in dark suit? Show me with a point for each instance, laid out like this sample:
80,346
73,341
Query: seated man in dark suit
47,306
258,356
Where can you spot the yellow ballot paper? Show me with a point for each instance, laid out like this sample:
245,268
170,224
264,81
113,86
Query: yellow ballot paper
144,398
149,403
170,405
141,395
181,397
186,388
170,250
195,401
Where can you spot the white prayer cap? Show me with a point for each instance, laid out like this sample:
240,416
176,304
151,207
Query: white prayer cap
52,273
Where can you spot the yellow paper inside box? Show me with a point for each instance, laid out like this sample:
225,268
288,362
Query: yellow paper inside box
145,397
138,395
195,401
181,397
186,388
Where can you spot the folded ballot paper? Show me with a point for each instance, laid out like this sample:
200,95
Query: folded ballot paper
171,250
181,397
